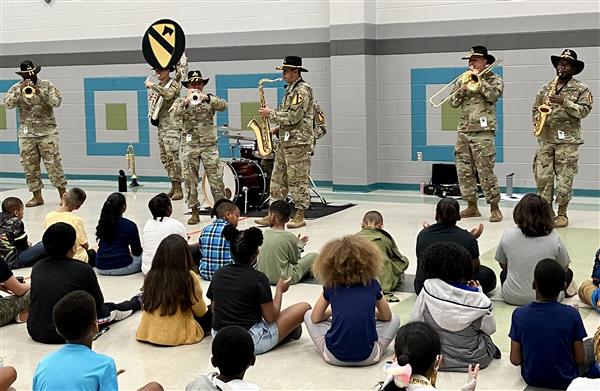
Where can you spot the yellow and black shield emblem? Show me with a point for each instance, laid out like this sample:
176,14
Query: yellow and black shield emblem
297,99
163,44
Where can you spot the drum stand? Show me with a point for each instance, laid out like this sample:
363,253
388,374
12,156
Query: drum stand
313,188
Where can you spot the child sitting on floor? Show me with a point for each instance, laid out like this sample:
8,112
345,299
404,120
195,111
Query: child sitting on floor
589,292
547,336
76,366
417,357
455,306
215,249
119,247
394,263
173,302
242,296
14,247
279,255
233,354
15,306
72,201
351,323
159,227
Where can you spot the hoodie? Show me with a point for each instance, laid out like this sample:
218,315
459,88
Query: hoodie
463,320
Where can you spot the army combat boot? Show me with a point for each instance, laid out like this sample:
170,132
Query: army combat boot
61,191
170,193
561,221
35,200
263,221
471,211
195,219
495,214
298,220
177,192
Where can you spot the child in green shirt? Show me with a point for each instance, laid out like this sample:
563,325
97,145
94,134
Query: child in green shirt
394,263
280,252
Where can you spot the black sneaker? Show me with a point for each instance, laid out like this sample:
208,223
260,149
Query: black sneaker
293,336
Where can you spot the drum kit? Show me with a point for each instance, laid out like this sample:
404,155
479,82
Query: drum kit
244,180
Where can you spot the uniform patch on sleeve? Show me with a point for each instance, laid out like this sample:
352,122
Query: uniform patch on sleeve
297,99
590,98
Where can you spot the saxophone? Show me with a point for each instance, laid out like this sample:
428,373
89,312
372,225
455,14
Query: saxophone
544,109
261,127
155,101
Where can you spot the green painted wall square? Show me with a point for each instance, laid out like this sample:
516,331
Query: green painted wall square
450,117
116,116
2,117
248,110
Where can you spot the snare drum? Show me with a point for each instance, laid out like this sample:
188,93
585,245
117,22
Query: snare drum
244,179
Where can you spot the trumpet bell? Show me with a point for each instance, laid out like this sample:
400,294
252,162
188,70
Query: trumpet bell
195,99
28,92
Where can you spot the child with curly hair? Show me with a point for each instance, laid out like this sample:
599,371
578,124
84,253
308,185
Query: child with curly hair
351,323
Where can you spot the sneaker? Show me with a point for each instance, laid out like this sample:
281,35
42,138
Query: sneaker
293,336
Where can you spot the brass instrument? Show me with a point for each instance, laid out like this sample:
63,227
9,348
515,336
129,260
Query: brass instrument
28,91
544,109
469,78
155,101
262,127
130,157
195,98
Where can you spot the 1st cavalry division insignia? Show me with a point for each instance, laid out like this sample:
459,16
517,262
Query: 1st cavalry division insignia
163,44
297,99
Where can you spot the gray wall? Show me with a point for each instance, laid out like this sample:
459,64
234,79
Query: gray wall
361,73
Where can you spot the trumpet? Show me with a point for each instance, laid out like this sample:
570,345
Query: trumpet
544,109
195,98
471,79
130,157
28,91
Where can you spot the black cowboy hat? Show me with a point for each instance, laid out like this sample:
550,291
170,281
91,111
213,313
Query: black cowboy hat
194,76
570,56
28,69
480,51
293,62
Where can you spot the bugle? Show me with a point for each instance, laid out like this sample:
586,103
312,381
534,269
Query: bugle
28,91
470,79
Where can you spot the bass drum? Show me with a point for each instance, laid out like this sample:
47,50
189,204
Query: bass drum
242,178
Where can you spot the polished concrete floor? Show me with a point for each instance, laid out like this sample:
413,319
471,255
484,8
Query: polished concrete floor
296,365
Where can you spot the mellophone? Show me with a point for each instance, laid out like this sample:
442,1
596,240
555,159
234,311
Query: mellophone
243,177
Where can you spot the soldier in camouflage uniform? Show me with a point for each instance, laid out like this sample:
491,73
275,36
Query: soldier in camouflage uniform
199,140
475,146
558,143
296,140
38,135
169,133
320,130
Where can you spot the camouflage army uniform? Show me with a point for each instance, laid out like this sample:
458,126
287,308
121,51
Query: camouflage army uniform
296,141
169,132
199,139
475,146
558,144
38,135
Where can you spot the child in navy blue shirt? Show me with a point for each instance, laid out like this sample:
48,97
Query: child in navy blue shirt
76,366
351,323
119,247
547,336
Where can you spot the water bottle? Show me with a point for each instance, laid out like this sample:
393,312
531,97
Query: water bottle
122,182
509,184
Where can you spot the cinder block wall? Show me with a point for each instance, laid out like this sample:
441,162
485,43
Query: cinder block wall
368,62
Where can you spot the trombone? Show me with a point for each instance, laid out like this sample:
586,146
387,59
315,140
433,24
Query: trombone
469,78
